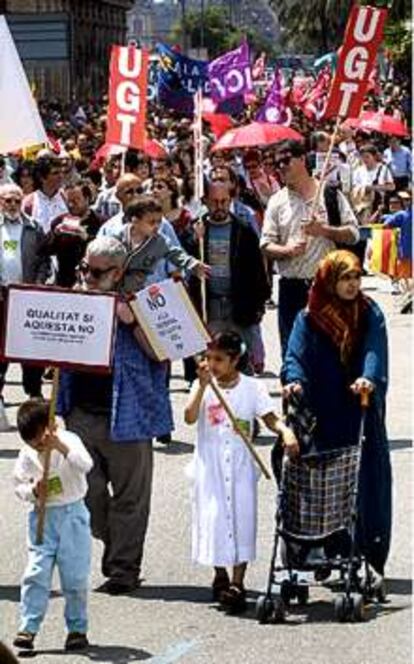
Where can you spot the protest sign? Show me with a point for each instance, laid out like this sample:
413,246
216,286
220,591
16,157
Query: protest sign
179,78
230,74
357,57
20,122
127,97
169,320
59,328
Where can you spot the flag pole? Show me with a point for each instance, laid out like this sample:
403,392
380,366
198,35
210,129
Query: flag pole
199,186
41,509
322,178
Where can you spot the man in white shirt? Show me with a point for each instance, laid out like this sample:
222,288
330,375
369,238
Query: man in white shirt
47,203
294,240
21,261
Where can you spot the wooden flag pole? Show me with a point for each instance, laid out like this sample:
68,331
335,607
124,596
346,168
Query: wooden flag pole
315,202
41,510
199,186
239,430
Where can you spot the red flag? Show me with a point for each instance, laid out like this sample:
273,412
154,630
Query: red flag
363,36
314,103
127,97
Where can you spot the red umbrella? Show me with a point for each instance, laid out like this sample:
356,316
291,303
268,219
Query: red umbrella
154,149
255,134
220,123
383,124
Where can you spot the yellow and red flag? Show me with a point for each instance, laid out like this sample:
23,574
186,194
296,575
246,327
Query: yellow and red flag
383,253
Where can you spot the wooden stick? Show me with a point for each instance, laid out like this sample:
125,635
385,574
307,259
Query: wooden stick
239,430
41,510
315,202
199,185
203,280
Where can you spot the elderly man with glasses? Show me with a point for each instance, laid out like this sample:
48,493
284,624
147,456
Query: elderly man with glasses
117,415
22,260
296,241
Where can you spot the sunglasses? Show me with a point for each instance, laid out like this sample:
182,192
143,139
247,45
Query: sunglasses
17,201
95,272
283,161
130,192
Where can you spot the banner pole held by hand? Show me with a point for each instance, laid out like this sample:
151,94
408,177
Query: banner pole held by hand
41,510
239,430
322,178
199,185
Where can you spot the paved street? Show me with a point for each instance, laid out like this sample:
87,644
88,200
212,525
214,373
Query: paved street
170,618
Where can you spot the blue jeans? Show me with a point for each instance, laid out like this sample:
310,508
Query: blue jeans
67,544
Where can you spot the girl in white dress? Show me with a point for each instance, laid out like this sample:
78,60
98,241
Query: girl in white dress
225,476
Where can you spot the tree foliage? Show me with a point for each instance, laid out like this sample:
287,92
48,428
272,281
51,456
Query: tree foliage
219,33
317,26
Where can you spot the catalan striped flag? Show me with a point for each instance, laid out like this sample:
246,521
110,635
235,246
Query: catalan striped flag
383,252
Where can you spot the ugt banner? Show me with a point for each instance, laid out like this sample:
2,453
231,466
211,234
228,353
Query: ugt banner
231,74
127,97
363,36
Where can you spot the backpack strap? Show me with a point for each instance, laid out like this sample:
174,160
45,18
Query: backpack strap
332,205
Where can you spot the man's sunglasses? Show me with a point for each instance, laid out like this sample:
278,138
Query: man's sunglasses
17,201
283,161
95,272
130,192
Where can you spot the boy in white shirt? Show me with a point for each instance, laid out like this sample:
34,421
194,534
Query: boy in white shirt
67,536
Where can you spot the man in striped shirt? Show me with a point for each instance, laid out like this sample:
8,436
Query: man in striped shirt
297,239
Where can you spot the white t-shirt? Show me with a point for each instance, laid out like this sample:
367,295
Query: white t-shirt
364,177
11,252
67,475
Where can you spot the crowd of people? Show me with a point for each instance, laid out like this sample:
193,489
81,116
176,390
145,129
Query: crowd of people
70,216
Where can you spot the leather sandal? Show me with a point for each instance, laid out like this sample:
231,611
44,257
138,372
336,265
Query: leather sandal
220,584
233,600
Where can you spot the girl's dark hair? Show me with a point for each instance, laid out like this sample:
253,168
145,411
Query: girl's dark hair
230,343
32,418
24,167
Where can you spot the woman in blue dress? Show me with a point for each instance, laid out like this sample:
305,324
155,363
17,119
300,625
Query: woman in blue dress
337,350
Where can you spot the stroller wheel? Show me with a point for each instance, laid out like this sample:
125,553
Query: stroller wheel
358,607
264,609
341,608
287,591
279,610
302,593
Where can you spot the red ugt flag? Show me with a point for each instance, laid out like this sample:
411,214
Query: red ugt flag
127,97
363,36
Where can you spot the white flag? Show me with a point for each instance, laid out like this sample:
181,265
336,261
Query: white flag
20,122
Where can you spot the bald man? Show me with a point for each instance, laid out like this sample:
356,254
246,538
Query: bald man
127,188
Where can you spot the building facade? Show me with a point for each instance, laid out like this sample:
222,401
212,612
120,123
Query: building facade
65,44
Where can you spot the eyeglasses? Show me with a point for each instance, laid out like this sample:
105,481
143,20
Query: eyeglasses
95,272
17,201
131,192
283,161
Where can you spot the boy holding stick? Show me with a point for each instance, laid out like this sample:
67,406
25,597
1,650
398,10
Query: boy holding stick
66,538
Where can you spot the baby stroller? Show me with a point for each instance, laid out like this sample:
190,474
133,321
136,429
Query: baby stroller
316,520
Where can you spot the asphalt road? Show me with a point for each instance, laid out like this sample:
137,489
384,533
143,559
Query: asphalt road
170,619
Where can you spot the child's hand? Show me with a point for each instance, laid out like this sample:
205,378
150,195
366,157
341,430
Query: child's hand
203,373
290,442
40,491
202,270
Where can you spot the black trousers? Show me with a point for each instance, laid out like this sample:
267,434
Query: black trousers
32,379
293,296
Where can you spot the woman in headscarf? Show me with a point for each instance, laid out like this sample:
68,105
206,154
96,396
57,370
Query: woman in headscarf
337,350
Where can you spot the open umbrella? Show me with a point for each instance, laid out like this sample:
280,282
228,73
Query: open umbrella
154,149
383,124
255,134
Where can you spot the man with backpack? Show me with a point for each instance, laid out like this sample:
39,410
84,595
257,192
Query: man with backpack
297,234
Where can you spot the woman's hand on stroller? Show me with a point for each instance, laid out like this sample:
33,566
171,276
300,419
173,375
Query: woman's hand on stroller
362,385
291,388
290,442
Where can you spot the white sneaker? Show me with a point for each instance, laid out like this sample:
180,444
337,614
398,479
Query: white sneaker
4,422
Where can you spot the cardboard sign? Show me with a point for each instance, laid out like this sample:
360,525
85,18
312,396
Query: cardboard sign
169,321
362,38
59,328
127,97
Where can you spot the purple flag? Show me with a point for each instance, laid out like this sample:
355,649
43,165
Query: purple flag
274,107
230,74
